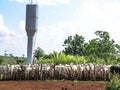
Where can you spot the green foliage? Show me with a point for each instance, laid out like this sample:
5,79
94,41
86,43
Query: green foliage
45,56
98,50
8,60
107,47
45,61
102,47
114,83
1,60
74,45
4,63
80,60
39,53
95,60
12,60
62,58
58,57
20,61
69,59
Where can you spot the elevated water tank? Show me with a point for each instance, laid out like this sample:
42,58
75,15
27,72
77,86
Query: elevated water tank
31,18
31,28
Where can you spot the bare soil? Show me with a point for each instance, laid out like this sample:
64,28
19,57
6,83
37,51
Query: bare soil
52,85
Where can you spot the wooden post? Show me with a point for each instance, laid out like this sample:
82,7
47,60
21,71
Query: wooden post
41,73
94,74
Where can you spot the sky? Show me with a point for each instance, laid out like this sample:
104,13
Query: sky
57,19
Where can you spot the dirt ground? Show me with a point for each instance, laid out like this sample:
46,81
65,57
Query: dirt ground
51,85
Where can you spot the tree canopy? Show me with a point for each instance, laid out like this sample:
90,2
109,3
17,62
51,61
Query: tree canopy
74,45
39,53
101,47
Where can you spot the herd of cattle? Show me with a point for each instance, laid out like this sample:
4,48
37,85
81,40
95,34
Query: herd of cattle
58,72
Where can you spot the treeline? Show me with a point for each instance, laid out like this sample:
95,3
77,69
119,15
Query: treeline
10,59
100,50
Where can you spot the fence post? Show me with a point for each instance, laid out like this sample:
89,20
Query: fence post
94,74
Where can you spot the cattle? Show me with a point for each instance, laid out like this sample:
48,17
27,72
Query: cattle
115,69
58,72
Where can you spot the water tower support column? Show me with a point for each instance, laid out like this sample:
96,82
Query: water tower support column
30,50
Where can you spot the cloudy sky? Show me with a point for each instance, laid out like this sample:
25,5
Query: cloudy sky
57,20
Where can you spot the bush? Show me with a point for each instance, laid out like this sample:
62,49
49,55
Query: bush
4,63
114,83
20,61
80,60
45,61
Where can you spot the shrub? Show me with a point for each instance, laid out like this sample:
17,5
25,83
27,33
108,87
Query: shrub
20,61
45,61
114,83
81,60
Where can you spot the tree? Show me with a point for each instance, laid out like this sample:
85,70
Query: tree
1,60
103,46
91,48
11,55
5,54
39,53
74,45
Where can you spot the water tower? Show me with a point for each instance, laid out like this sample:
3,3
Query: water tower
31,28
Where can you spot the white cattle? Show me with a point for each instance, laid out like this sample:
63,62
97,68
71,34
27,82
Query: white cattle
88,71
